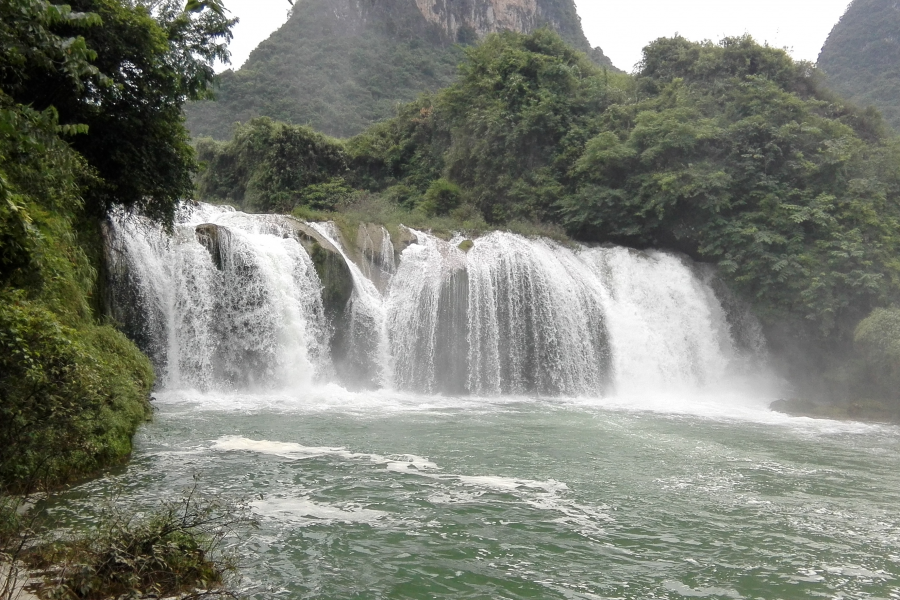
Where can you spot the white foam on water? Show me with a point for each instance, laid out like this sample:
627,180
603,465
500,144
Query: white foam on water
282,449
549,496
304,512
399,463
382,404
509,484
410,463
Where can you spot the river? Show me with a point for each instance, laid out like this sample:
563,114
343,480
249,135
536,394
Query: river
530,420
380,495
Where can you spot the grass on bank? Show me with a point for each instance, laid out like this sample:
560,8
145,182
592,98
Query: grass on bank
380,209
180,550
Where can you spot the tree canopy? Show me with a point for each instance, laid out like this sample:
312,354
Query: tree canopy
115,77
737,155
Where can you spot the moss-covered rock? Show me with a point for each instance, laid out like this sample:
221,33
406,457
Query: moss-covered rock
332,269
404,239
70,398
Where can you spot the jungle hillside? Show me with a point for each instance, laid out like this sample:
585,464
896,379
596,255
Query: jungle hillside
339,67
91,97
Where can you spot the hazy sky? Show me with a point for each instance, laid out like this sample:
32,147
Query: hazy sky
623,27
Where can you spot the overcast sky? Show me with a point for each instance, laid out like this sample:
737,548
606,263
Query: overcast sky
623,27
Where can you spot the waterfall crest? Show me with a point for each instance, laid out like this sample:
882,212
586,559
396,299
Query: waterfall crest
237,301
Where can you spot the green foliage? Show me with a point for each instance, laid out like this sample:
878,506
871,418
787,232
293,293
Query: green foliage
29,44
269,166
523,107
363,207
326,195
116,75
862,57
441,197
177,550
67,406
89,117
16,237
877,343
736,156
69,400
506,132
501,139
406,152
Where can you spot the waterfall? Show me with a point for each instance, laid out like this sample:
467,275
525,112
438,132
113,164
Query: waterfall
426,309
367,358
236,301
227,301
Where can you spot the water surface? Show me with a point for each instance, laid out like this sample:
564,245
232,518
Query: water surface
387,495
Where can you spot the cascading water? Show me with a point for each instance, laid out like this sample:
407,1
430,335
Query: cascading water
235,300
367,358
227,301
515,316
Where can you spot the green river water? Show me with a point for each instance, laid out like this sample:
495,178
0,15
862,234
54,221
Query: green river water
398,496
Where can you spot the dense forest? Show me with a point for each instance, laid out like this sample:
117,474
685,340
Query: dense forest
862,57
90,122
339,67
731,152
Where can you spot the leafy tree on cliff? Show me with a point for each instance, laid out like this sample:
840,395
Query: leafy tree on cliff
738,156
507,131
129,69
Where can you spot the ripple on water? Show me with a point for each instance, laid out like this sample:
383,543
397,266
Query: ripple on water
392,496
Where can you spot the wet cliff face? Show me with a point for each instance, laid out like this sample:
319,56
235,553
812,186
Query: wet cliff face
480,16
457,20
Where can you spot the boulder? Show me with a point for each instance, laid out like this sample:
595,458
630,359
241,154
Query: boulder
211,237
332,269
405,239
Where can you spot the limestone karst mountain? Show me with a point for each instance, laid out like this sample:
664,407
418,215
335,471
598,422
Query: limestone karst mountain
340,65
861,57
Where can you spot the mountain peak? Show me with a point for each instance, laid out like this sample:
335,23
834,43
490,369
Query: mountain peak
341,65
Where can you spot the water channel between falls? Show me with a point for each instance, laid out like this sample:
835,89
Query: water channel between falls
522,420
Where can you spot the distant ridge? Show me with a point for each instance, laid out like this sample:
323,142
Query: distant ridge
341,65
861,57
